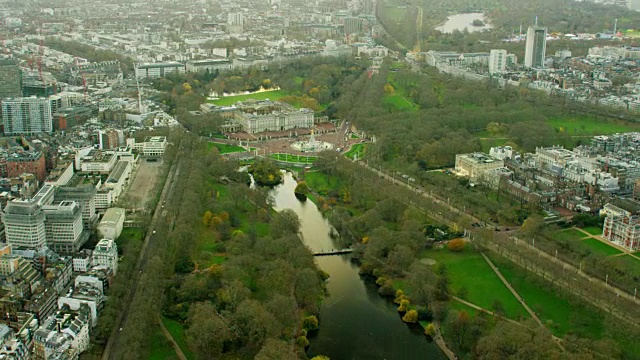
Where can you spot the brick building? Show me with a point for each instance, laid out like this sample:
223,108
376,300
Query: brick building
27,162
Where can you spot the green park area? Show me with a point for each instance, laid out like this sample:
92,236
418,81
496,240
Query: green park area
225,148
357,150
560,315
161,348
588,126
290,158
569,235
230,100
321,182
177,332
593,230
473,280
600,248
395,98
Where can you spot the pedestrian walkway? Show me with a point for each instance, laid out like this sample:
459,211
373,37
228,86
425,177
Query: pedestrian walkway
173,342
513,291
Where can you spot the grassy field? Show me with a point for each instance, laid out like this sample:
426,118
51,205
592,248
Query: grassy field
600,248
218,136
357,149
230,100
398,102
177,332
322,183
593,230
301,159
469,271
161,348
226,149
590,126
569,235
561,316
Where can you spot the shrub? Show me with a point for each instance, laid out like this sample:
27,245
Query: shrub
430,330
456,244
410,317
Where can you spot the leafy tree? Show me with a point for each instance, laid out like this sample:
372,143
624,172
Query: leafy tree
404,305
302,188
208,331
460,328
284,223
310,323
274,349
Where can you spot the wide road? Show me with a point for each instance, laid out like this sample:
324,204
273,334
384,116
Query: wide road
167,189
420,191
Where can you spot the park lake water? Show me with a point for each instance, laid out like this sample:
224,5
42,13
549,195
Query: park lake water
461,21
355,321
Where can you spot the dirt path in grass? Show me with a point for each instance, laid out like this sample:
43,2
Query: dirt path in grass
173,342
513,291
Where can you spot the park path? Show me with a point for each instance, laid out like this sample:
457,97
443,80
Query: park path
513,291
173,342
599,238
556,339
437,338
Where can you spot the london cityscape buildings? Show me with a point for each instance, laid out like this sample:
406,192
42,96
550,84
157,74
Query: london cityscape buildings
88,149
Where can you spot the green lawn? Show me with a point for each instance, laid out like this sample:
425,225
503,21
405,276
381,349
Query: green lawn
161,348
631,263
321,182
586,125
569,235
301,159
593,230
130,235
357,149
230,100
469,270
398,102
561,316
218,136
226,149
600,248
177,332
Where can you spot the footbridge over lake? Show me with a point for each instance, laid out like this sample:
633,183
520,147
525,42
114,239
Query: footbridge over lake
332,252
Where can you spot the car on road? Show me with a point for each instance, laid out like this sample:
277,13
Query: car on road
154,232
405,176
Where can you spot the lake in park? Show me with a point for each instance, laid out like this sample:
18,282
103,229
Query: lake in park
461,21
355,321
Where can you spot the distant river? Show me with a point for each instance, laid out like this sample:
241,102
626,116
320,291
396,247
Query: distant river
461,21
355,321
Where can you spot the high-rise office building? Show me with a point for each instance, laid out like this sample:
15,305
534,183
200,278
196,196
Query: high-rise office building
497,61
24,224
536,47
235,19
27,116
369,7
10,79
352,25
63,227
